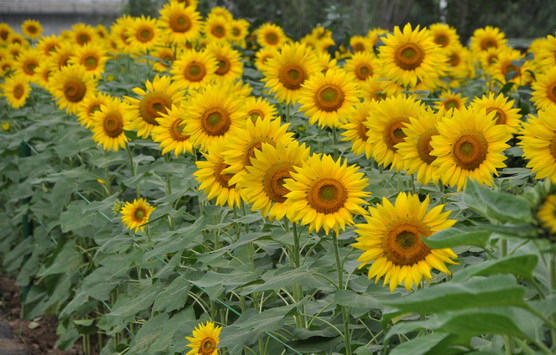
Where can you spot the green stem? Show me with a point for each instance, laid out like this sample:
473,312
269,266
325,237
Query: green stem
343,309
335,141
297,288
503,248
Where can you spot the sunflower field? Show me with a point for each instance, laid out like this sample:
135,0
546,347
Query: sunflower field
186,183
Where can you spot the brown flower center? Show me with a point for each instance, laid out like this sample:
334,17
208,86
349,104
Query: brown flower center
454,59
403,245
327,195
451,103
218,31
139,214
224,65
223,179
180,23
500,115
207,346
195,71
153,105
488,43
145,34
19,90
424,145
176,132
271,38
442,40
90,62
329,98
256,113
393,134
363,71
553,147
409,56
292,76
273,181
29,66
113,124
215,121
551,92
74,90
470,150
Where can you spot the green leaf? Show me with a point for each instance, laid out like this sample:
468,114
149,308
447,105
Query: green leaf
149,333
237,278
496,205
498,290
454,237
349,298
520,266
130,306
424,344
174,296
67,260
285,277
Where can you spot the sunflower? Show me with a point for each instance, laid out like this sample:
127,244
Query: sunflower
6,66
326,61
242,144
378,89
362,65
284,74
221,12
505,68
503,106
214,181
410,56
188,3
90,105
485,38
360,44
546,53
119,33
416,148
216,28
327,98
444,35
92,56
31,29
15,50
136,214
325,193
101,32
544,90
489,57
259,107
391,240
469,145
16,89
82,33
194,69
109,124
238,31
27,63
205,340
168,133
375,34
271,35
43,73
459,63
212,114
263,184
355,130
538,141
450,100
143,35
159,96
5,32
48,45
70,86
320,39
17,39
385,124
180,24
229,62
166,56
63,54
263,55
547,213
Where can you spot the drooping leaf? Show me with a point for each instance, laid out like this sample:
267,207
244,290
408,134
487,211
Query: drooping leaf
454,237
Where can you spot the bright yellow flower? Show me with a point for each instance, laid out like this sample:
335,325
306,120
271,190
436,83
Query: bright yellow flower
169,135
70,86
547,213
503,106
205,340
109,124
16,89
31,28
136,214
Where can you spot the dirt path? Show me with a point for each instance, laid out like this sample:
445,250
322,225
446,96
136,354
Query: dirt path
8,344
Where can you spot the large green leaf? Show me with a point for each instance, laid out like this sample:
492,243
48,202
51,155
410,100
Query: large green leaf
454,237
174,296
284,277
435,343
349,298
518,265
67,260
497,290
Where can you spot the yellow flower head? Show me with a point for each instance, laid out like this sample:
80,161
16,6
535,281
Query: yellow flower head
547,213
136,214
391,240
205,340
31,29
169,133
16,89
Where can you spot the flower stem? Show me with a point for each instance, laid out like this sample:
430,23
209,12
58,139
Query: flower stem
343,309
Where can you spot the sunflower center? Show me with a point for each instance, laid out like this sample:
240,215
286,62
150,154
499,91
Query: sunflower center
113,125
470,150
329,98
442,40
359,47
139,214
145,35
449,104
363,71
454,59
250,151
363,131
83,38
32,29
409,56
90,62
393,134
176,132
292,76
4,34
273,181
223,66
424,145
94,108
403,245
551,92
215,121
195,71
207,346
19,90
508,68
488,43
29,67
153,105
553,147
180,23
500,116
236,32
75,90
218,31
327,195
256,113
222,179
272,38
